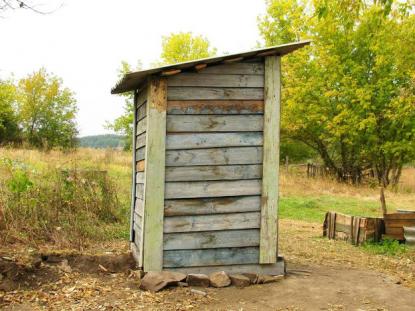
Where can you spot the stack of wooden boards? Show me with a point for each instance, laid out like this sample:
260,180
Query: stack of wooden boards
395,223
355,229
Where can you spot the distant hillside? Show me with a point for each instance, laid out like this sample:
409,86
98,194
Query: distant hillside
102,141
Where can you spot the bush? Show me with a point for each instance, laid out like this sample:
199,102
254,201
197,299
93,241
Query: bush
68,206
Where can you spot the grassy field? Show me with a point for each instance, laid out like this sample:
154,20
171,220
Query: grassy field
37,208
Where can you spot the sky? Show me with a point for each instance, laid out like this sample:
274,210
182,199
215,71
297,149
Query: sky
84,42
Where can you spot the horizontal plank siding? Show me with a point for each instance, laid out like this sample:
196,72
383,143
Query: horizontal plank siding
141,126
211,239
218,172
214,156
140,166
142,111
139,191
216,80
210,257
140,154
201,93
139,207
225,107
141,141
208,189
215,123
235,221
139,178
235,68
212,140
186,207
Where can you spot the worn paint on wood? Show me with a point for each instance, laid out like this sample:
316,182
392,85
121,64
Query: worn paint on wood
185,207
139,207
141,126
154,190
216,172
210,257
212,140
216,80
211,239
192,107
214,156
139,191
142,112
215,123
207,189
140,154
141,141
234,221
269,205
204,93
236,68
140,178
140,166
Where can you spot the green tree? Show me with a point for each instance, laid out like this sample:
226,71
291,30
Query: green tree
351,94
9,130
184,46
47,111
123,125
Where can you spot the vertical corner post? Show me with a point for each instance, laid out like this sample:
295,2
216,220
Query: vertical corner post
155,171
270,176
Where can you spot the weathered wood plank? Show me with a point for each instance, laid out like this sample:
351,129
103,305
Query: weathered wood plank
217,172
269,204
140,178
187,207
139,207
210,257
226,107
211,239
140,166
155,159
138,221
141,141
214,156
141,126
215,123
139,191
212,140
201,93
235,221
272,269
236,68
136,253
140,154
216,80
142,111
207,189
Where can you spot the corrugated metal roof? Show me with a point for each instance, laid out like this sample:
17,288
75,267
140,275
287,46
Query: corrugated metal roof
133,80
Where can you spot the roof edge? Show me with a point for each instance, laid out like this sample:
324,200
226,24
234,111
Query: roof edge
132,80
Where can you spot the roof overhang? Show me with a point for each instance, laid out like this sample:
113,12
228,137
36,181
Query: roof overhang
133,80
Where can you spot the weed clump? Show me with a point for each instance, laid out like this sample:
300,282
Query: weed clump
66,206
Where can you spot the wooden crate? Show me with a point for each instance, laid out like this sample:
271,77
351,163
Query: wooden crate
354,229
395,222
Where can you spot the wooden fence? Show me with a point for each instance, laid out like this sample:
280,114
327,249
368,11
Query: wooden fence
354,229
395,222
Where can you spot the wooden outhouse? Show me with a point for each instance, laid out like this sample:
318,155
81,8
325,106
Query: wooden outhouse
205,163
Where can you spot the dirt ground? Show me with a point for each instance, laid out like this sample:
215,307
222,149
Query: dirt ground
322,275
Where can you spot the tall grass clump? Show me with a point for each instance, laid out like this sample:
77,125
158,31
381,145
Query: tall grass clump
66,206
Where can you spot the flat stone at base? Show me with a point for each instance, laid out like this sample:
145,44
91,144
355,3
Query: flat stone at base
240,280
219,279
253,277
155,281
264,279
197,279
